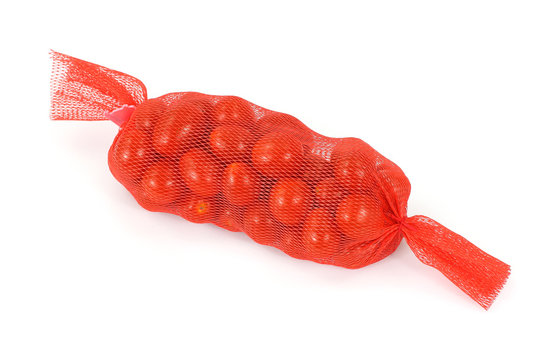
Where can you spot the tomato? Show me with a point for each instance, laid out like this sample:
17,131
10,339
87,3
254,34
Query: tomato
260,225
240,184
290,201
204,102
278,155
200,172
199,209
320,236
283,123
328,193
316,168
148,113
394,184
354,161
360,217
231,143
160,185
180,128
357,255
292,244
230,218
232,110
130,155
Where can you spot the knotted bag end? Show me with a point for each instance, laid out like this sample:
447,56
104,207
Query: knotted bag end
475,272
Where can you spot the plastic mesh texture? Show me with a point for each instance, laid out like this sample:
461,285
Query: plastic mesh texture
226,161
81,90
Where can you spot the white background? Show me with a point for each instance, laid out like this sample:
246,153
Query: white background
464,96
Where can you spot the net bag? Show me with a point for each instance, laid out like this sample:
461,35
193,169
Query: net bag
226,161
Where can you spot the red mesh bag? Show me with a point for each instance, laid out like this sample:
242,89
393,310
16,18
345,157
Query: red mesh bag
226,161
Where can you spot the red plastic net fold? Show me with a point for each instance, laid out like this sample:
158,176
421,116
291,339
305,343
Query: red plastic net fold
226,161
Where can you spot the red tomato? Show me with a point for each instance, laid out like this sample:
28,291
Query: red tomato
199,209
290,201
283,123
130,155
292,244
316,168
232,110
230,218
200,172
240,184
180,128
160,185
328,193
358,255
148,113
320,235
231,143
278,155
203,101
354,162
260,225
360,217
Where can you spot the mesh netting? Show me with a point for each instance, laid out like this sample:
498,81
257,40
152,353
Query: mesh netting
226,161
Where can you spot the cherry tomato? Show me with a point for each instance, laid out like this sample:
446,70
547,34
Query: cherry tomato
232,110
200,172
160,185
354,161
230,218
260,225
204,102
148,113
320,235
231,143
316,168
290,201
394,183
328,193
284,123
130,155
199,209
240,184
360,217
180,128
292,244
278,155
358,255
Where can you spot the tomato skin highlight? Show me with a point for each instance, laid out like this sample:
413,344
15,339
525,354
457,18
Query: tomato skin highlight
351,170
129,156
320,236
260,225
360,217
240,184
160,185
231,143
199,210
233,110
290,201
278,155
200,172
180,128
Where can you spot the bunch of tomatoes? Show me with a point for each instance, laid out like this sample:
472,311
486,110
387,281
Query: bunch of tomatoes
224,160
